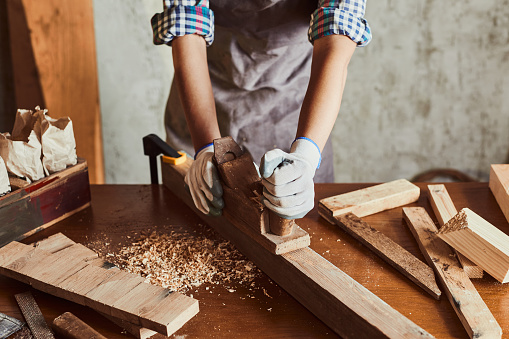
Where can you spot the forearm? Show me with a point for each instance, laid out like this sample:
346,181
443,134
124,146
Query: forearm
331,56
195,89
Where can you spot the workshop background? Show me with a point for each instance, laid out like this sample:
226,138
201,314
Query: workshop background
430,91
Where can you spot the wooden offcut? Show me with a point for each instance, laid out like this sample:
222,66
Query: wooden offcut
44,203
499,185
480,241
395,255
74,273
464,298
370,200
343,304
444,210
70,326
33,316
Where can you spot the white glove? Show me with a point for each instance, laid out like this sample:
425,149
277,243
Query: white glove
287,179
204,184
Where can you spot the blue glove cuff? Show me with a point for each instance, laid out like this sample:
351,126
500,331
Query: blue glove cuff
314,143
202,148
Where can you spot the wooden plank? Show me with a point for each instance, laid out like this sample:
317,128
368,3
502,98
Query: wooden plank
444,209
70,326
58,242
43,203
479,241
54,243
395,255
103,297
499,185
69,76
119,294
344,305
33,316
370,200
464,298
76,286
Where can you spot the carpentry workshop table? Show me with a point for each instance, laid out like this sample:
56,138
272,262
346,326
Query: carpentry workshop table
119,213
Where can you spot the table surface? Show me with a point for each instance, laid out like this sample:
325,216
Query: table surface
119,213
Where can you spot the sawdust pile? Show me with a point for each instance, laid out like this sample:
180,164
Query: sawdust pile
180,261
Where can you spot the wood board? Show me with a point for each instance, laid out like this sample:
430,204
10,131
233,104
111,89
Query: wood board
370,200
499,185
63,68
395,255
444,210
47,272
344,305
464,298
44,202
480,241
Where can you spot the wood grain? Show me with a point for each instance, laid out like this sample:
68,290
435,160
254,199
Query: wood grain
343,304
370,200
63,43
499,185
122,294
444,210
392,253
464,298
479,241
70,326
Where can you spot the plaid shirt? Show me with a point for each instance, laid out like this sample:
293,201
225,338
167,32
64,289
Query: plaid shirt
181,17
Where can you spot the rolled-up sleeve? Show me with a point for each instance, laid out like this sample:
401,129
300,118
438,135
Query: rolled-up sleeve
344,17
181,17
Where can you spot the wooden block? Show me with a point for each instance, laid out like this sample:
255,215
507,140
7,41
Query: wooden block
464,298
43,203
370,200
156,308
174,310
248,210
76,286
480,241
112,289
21,268
395,255
33,316
499,185
344,305
54,243
444,209
12,252
136,330
70,326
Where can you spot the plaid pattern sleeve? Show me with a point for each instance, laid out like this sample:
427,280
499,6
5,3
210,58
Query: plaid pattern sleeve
181,17
344,17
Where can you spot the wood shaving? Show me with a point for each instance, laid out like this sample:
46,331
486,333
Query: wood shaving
181,261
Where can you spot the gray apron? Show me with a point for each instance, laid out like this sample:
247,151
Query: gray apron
259,66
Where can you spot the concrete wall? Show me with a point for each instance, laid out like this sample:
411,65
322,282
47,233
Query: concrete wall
430,91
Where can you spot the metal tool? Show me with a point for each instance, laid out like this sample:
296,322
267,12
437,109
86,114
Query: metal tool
153,146
9,325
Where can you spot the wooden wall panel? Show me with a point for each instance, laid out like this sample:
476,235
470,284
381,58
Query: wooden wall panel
63,42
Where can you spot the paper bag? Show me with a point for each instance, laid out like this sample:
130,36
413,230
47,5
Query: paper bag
58,144
22,157
5,186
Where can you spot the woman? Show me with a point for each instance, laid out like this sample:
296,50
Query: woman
249,84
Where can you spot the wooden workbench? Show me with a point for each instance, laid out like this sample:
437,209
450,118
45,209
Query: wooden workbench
120,212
